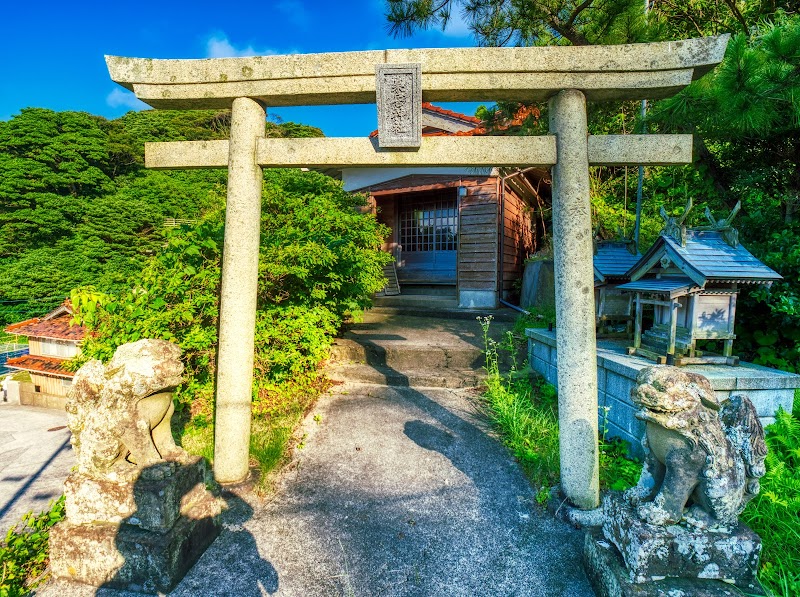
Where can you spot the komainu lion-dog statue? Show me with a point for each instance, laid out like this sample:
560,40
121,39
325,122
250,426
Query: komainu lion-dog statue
120,413
703,458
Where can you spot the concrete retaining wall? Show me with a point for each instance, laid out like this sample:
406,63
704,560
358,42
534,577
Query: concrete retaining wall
769,389
30,397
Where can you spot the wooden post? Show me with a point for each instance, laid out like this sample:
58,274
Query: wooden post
692,323
673,326
637,324
727,351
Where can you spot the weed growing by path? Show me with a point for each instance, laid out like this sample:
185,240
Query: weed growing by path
526,413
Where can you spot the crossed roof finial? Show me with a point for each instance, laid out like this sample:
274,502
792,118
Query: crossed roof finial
723,225
674,225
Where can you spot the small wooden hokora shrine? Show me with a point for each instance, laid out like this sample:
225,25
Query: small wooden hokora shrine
690,279
612,261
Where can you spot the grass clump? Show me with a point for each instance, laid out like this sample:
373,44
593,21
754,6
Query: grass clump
526,414
775,512
24,553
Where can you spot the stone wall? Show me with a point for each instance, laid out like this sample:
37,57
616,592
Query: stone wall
30,397
768,389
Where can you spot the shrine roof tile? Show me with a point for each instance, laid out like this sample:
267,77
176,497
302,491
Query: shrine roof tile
613,259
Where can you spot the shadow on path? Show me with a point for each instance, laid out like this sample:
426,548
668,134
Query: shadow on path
31,479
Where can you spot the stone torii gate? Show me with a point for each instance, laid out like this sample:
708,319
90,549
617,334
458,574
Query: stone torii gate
398,81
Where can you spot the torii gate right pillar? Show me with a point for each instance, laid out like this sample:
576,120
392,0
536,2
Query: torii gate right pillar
575,316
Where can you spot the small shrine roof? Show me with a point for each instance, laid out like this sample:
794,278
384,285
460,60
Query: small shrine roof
613,260
672,286
706,256
40,364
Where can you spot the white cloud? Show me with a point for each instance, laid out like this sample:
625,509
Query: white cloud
124,98
218,46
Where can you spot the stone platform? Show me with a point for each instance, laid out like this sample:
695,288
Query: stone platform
138,536
768,389
609,578
653,552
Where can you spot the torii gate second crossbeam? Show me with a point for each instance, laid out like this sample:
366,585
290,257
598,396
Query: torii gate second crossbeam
566,76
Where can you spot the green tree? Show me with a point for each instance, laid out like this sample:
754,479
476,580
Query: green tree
319,262
77,206
526,22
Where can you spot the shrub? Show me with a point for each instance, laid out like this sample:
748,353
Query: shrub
775,512
24,553
319,262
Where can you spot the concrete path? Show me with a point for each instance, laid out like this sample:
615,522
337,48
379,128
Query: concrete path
401,491
396,491
35,458
392,491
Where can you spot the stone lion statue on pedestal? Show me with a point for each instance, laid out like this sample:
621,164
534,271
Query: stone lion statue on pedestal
703,458
120,413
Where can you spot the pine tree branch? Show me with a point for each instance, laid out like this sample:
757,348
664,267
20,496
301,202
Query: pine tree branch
576,13
732,5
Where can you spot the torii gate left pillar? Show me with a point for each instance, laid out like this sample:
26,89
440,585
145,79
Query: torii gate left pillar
567,76
239,293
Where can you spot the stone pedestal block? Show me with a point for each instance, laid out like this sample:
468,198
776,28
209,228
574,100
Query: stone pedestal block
609,578
154,502
653,552
142,535
126,557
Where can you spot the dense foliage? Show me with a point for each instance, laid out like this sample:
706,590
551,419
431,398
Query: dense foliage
775,513
319,263
77,206
24,552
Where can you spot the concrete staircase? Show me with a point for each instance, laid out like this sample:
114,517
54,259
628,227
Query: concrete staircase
396,349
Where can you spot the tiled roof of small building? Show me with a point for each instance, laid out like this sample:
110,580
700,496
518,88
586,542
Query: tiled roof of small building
39,364
707,257
55,325
472,120
672,286
429,106
613,260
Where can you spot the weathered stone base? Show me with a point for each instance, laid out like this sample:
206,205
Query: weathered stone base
151,503
559,507
609,578
651,552
126,557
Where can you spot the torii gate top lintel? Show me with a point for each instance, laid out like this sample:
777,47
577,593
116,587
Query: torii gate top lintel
622,72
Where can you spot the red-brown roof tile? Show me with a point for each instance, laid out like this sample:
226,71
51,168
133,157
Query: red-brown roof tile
40,364
430,107
58,328
450,113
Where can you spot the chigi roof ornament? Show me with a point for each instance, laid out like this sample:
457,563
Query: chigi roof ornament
674,226
729,234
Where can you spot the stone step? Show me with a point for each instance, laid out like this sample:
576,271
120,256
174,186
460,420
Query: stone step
439,311
415,378
406,356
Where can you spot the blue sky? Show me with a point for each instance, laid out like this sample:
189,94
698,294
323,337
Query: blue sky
52,52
